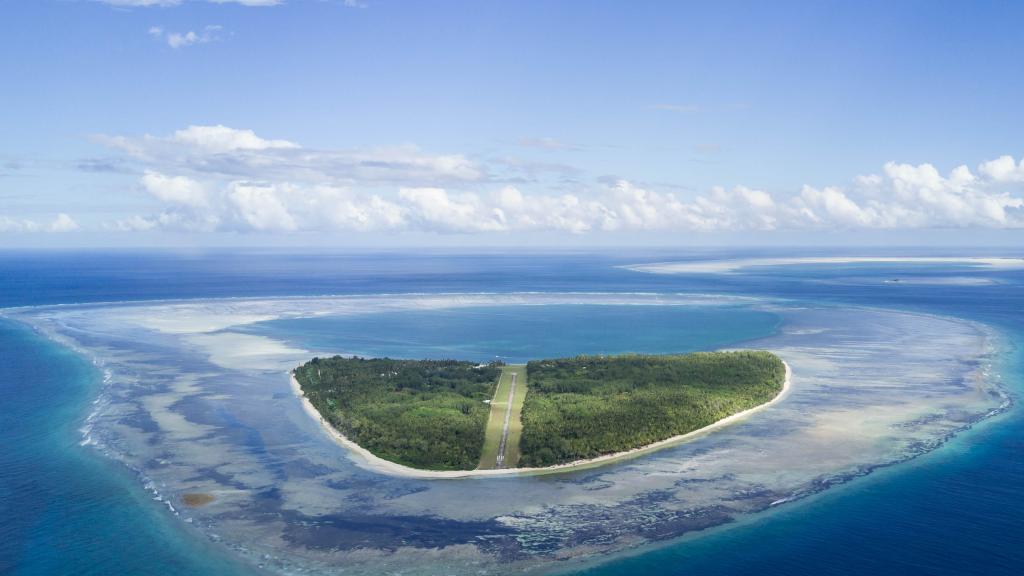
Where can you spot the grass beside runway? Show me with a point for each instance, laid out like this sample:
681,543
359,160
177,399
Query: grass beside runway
496,422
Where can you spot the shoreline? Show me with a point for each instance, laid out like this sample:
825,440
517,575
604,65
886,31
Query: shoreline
370,461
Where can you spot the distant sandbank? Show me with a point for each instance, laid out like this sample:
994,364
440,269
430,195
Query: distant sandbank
726,266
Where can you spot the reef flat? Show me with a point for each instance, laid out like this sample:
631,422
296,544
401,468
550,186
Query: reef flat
196,406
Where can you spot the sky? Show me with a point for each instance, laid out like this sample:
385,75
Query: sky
385,123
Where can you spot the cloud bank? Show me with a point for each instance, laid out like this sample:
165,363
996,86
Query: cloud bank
210,178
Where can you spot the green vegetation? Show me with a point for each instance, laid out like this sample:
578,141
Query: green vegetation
432,414
584,407
426,414
496,422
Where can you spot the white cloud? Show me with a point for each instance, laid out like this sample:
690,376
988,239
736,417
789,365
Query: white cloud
175,189
333,207
221,178
8,224
219,139
61,223
564,212
436,209
830,206
904,197
205,35
223,152
926,198
260,206
134,224
1003,169
175,219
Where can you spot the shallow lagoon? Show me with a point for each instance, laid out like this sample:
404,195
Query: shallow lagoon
198,401
519,334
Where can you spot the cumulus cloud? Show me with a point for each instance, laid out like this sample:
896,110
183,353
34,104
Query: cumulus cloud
1003,169
436,209
260,206
222,178
175,189
61,223
332,207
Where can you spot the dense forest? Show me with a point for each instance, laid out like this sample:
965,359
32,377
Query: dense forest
584,407
431,414
426,414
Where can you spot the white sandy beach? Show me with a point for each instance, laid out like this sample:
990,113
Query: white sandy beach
368,460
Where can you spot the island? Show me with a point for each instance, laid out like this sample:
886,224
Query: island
450,415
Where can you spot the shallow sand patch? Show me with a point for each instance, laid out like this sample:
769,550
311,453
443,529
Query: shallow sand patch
196,499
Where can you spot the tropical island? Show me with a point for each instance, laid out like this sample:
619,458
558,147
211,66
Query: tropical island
450,415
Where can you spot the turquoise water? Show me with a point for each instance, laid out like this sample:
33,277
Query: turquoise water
523,333
952,511
69,510
65,510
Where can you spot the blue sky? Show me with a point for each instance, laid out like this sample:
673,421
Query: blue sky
385,123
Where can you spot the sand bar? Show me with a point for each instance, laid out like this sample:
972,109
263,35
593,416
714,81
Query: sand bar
727,266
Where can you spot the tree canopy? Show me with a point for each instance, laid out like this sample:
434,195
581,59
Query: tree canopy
584,407
432,414
422,413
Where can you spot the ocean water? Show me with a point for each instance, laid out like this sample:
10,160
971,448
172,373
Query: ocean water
67,509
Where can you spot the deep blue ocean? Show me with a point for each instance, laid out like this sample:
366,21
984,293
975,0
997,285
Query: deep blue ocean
65,509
